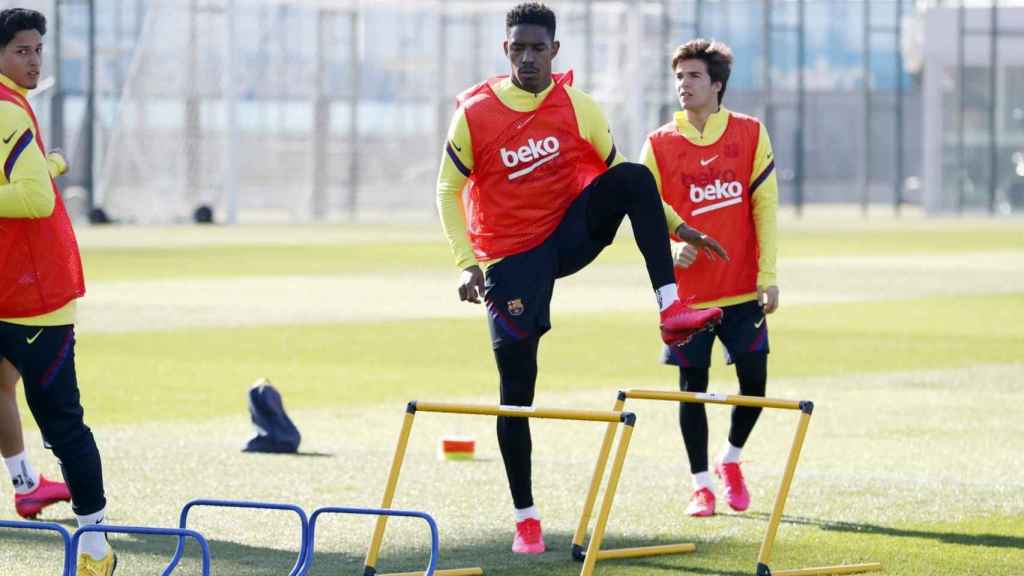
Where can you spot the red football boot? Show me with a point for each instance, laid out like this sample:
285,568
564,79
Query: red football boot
529,539
702,503
679,322
736,493
48,492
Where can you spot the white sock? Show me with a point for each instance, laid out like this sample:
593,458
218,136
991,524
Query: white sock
524,513
23,475
731,453
703,480
93,543
667,295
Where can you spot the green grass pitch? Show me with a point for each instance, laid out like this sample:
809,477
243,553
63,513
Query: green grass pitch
907,334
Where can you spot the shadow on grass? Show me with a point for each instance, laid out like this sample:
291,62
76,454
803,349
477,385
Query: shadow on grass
990,540
492,553
299,454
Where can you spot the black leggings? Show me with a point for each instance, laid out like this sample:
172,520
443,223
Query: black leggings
45,358
517,366
751,370
626,190
629,189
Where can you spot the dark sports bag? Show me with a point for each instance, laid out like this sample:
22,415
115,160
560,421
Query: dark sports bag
275,431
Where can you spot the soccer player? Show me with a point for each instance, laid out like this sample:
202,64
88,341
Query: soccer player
716,168
40,281
546,192
32,491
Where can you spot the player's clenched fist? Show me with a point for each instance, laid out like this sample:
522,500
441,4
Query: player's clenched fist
471,284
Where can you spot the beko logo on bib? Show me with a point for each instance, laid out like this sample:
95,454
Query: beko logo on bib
536,152
722,193
717,190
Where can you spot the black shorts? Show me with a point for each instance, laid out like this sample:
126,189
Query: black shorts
518,288
744,329
45,358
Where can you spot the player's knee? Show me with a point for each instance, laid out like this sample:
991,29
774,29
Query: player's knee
754,362
752,372
694,379
635,178
67,436
641,179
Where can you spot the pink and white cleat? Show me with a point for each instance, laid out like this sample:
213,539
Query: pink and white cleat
679,322
529,539
736,493
702,504
47,493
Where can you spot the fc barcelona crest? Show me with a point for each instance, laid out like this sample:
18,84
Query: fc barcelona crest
515,307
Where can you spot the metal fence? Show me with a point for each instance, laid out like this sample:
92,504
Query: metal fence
318,109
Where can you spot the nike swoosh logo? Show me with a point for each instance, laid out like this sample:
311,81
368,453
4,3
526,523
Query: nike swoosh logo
759,322
521,123
709,160
8,139
457,147
33,339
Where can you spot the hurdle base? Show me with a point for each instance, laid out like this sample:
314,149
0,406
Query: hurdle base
371,571
763,570
579,552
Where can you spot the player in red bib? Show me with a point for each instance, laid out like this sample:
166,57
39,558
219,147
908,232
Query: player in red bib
716,169
543,191
40,281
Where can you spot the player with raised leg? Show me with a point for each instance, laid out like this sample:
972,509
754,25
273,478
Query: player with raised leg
546,191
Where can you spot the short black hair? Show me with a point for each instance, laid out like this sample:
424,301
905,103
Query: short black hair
531,13
14,20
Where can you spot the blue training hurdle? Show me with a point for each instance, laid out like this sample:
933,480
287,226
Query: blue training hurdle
49,527
303,563
181,533
70,564
435,544
300,561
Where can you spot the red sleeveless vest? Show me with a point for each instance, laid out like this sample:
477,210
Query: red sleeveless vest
709,186
41,268
528,168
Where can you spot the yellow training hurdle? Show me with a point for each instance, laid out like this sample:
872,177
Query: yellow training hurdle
764,556
613,418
